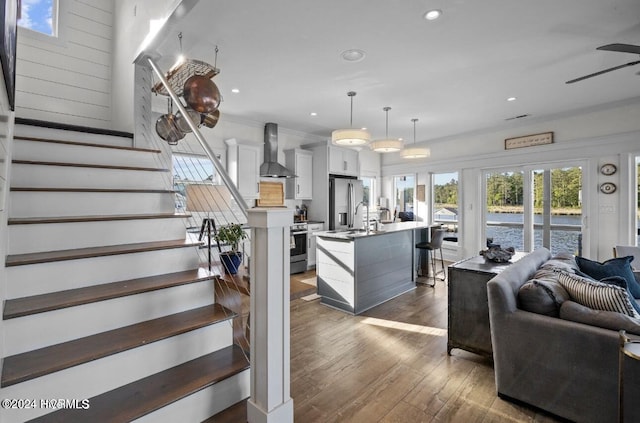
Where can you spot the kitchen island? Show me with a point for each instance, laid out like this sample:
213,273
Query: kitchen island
357,270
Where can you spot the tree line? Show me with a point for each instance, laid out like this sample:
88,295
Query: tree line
506,189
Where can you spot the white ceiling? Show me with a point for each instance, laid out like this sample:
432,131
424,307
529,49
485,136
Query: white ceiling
453,74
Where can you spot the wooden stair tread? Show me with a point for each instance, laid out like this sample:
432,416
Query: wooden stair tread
32,364
96,218
72,128
25,306
109,250
125,190
90,165
86,144
144,396
237,413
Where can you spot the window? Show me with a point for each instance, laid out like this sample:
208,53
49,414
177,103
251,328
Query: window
369,193
535,207
445,203
504,213
404,189
189,169
40,16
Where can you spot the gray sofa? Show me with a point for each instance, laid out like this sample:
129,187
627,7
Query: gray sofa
566,368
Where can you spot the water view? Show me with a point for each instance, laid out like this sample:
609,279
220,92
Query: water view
565,239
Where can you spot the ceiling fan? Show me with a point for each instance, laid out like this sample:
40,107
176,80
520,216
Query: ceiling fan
622,48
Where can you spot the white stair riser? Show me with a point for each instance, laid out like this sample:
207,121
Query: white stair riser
63,236
57,134
44,176
205,403
40,330
67,153
98,376
52,204
43,278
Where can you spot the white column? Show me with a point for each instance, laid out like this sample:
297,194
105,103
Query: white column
270,400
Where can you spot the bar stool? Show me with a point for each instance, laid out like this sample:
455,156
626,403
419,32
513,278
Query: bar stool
434,244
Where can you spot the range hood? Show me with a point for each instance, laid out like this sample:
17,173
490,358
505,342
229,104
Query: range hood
271,168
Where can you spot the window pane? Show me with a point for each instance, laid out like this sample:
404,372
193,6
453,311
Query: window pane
565,209
504,210
445,203
38,15
404,187
188,169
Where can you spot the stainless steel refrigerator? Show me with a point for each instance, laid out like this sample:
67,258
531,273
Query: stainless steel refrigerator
345,198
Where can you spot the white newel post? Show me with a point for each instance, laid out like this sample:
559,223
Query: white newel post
270,400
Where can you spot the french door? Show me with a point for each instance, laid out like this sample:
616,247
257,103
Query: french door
530,207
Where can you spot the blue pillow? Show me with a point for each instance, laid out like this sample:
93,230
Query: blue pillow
619,266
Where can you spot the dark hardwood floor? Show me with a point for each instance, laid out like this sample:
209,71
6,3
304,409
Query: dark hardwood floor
389,364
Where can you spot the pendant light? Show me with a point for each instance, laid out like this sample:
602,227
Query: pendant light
415,152
387,145
352,136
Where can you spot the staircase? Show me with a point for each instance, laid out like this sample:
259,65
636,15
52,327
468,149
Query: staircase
105,300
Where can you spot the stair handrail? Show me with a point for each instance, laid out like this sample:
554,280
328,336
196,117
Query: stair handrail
201,140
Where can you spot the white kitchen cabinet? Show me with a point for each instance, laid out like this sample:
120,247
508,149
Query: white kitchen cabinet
343,161
301,163
311,243
243,165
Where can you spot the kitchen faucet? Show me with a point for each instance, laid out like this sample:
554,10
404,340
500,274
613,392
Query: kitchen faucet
367,225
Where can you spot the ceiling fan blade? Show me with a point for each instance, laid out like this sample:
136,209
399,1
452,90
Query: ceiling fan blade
603,71
622,48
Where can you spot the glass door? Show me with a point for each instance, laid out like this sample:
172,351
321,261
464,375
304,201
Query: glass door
558,209
533,207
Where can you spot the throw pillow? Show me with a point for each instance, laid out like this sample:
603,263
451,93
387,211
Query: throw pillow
598,295
542,297
619,266
604,319
561,261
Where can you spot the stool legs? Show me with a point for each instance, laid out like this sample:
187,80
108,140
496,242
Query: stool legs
433,265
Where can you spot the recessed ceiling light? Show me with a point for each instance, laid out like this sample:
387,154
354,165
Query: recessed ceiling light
511,99
432,15
313,114
235,90
353,55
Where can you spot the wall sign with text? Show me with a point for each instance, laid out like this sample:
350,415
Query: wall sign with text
528,140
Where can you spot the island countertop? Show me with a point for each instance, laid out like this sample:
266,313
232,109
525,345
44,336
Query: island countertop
350,234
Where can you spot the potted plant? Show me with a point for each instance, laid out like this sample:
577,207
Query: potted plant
231,235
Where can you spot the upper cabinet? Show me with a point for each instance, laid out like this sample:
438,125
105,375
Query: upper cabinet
243,165
301,163
343,161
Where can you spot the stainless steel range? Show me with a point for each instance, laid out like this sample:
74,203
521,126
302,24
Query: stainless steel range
299,247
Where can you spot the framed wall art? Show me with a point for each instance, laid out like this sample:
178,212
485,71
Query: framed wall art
528,140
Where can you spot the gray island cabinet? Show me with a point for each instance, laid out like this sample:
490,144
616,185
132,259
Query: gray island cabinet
358,270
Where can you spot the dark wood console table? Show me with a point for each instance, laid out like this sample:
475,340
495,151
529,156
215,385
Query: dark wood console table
468,305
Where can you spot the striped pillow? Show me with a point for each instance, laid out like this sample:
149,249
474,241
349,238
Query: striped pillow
597,295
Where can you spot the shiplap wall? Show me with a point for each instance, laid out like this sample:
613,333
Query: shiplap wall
67,79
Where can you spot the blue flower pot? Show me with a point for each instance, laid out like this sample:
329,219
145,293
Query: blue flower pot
231,262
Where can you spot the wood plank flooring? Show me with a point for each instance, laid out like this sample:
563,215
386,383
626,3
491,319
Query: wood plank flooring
389,364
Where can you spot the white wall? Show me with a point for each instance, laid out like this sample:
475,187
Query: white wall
593,138
134,21
67,78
